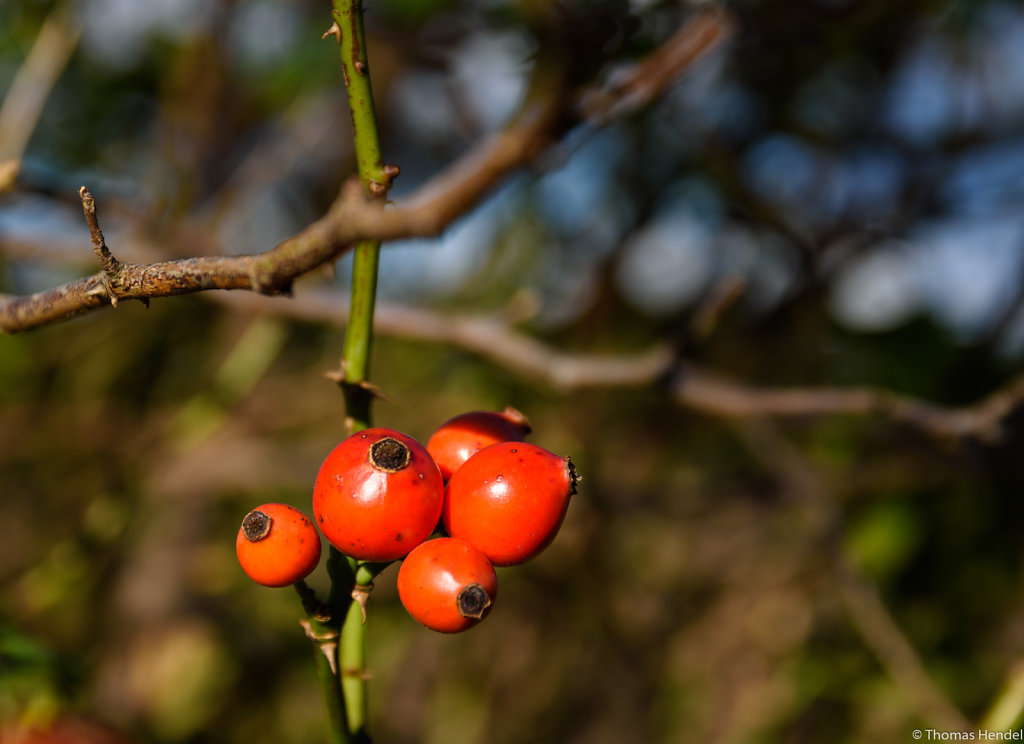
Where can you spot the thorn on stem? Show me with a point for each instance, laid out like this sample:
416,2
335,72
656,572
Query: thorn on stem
337,375
334,31
361,595
326,640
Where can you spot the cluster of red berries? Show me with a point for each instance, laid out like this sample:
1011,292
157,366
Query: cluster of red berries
477,496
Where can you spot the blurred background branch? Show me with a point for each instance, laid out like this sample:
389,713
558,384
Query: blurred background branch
353,218
691,385
769,294
23,102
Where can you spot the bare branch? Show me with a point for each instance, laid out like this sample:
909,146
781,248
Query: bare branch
643,82
896,654
99,245
34,80
712,394
714,307
9,170
865,608
488,336
353,218
31,86
691,386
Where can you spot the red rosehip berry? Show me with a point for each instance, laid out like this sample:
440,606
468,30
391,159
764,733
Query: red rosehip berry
447,584
378,495
277,545
509,500
457,439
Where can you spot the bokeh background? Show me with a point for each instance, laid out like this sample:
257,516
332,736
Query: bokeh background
856,167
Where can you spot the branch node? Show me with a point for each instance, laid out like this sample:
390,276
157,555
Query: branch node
263,283
107,261
98,290
352,190
108,287
364,387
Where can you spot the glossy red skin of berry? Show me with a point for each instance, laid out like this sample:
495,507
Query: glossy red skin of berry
461,437
287,552
509,500
371,514
434,575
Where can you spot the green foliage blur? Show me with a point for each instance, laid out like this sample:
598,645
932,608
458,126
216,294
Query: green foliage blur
855,164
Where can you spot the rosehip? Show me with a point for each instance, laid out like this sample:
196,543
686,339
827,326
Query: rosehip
509,500
378,495
447,584
277,545
463,436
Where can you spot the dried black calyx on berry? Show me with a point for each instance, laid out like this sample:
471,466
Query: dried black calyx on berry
256,525
574,477
389,455
473,601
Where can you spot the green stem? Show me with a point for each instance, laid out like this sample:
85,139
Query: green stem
376,178
353,648
323,631
353,671
359,336
339,605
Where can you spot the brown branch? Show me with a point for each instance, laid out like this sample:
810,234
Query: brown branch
31,86
894,651
707,392
352,218
9,170
691,386
867,612
643,82
99,246
488,336
711,311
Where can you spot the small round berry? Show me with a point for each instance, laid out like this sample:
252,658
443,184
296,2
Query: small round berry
509,500
447,585
277,545
459,438
378,495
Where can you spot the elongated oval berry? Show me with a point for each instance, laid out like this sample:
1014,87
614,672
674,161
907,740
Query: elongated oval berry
378,495
461,437
277,545
447,585
509,500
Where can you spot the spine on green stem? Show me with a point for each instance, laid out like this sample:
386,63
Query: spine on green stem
323,630
376,179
